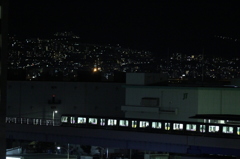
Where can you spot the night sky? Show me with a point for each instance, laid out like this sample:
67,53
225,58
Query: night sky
153,25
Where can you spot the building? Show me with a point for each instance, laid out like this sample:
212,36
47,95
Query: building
145,95
147,98
39,99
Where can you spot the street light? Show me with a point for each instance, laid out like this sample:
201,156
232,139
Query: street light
55,111
59,148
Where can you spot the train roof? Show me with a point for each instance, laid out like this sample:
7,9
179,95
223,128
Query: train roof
232,117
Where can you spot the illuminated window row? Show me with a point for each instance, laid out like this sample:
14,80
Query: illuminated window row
153,125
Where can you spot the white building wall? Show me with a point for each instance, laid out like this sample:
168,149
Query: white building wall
183,101
219,101
187,101
209,101
231,101
30,99
177,103
134,94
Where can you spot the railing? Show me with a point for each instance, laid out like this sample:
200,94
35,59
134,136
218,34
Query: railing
33,121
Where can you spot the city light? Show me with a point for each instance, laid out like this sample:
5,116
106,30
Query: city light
59,60
59,148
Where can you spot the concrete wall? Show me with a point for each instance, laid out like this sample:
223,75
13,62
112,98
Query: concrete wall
209,101
231,101
145,78
182,100
219,101
185,101
30,99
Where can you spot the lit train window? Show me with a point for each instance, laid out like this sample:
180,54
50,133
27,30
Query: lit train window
156,125
81,120
221,121
8,119
92,121
64,119
143,124
213,128
123,123
238,130
177,126
228,129
17,120
35,121
112,122
72,120
134,124
191,127
167,126
102,122
202,128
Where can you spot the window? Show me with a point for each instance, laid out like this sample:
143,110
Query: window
134,124
202,128
238,130
81,120
213,128
177,126
35,121
112,122
102,122
92,121
167,126
123,123
143,124
72,120
64,119
228,129
191,127
156,125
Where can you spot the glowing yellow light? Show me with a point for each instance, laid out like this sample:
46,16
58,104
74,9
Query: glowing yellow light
95,70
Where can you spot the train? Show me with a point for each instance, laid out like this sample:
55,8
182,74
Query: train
229,130
152,126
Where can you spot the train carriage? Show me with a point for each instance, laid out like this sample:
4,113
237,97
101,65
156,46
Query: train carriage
151,125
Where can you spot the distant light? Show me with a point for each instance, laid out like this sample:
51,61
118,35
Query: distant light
95,70
58,147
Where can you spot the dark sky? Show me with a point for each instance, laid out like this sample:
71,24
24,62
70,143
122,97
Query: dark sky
154,25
